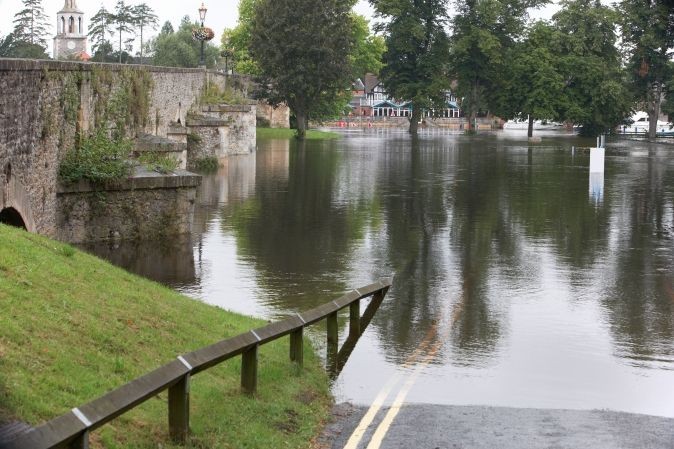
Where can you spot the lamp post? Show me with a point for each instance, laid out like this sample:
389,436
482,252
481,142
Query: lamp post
202,16
227,54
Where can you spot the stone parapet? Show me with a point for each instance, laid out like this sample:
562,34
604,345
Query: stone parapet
146,206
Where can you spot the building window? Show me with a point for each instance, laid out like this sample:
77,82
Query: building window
79,26
71,25
63,25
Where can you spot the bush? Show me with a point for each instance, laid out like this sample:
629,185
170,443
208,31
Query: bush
206,164
159,162
97,158
213,95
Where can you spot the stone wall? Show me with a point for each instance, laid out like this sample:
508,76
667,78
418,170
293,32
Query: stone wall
147,206
45,104
218,131
274,117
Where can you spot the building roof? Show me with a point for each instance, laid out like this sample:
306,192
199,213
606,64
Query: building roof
70,6
371,81
358,85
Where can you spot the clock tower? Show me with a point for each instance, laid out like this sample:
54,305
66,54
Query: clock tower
70,41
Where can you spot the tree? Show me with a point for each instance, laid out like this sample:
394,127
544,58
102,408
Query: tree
594,94
6,44
10,47
532,85
31,24
368,49
99,29
237,40
302,48
167,28
179,49
123,21
648,37
143,16
668,103
484,31
417,50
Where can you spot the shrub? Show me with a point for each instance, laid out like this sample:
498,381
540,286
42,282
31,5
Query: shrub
97,158
159,162
206,164
213,95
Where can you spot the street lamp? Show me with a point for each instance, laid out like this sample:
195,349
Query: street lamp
202,16
227,54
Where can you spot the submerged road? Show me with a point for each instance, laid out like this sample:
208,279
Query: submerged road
392,423
471,427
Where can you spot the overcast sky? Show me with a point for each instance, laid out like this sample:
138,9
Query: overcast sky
221,13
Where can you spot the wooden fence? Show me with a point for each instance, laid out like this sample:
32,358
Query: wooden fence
72,429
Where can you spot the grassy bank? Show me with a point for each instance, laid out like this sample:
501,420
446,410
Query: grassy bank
281,133
73,327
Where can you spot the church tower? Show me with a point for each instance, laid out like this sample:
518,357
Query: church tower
70,40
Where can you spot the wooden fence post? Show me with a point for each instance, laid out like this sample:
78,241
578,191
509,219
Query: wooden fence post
333,339
297,346
354,319
179,410
81,442
249,371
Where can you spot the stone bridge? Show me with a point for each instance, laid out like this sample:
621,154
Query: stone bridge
46,105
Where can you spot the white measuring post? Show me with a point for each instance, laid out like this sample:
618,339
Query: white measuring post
597,156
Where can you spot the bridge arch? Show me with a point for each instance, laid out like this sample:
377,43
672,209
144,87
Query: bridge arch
12,217
15,206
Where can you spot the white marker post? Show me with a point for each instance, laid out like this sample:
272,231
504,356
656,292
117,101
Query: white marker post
597,171
597,156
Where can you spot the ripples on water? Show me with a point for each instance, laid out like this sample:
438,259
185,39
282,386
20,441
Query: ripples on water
544,287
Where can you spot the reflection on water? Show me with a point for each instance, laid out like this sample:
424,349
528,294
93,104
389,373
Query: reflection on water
540,291
596,188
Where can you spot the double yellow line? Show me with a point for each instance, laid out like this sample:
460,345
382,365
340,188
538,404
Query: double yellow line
420,358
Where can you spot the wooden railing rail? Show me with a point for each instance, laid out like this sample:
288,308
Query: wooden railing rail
72,429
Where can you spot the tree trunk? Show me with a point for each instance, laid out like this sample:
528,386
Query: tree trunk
414,121
471,120
141,45
530,129
120,45
654,111
301,117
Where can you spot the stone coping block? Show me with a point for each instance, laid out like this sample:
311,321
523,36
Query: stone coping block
228,108
149,142
142,179
174,130
207,121
13,64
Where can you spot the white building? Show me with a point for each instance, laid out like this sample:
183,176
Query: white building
70,41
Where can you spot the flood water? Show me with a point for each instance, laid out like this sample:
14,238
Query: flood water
539,285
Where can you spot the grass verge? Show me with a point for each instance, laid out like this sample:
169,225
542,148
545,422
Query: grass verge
73,327
282,133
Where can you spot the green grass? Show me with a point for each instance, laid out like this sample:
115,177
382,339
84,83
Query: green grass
281,133
73,327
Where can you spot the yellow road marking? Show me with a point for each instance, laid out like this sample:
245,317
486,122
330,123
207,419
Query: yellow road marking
365,422
382,429
413,359
385,425
367,419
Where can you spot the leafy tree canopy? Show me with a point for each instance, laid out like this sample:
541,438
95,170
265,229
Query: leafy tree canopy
417,50
31,24
179,49
484,31
303,48
648,40
594,95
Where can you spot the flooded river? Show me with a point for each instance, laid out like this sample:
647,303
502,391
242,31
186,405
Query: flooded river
539,285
